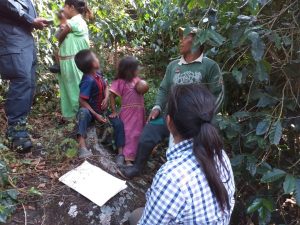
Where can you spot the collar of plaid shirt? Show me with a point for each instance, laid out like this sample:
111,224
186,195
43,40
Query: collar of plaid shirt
177,150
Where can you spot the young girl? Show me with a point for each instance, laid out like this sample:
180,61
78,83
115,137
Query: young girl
73,38
132,110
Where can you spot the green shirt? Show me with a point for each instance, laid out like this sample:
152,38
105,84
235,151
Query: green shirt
202,70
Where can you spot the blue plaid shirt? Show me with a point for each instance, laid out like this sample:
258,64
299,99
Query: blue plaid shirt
180,193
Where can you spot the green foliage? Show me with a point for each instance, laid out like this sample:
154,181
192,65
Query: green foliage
8,201
69,145
8,197
34,191
256,44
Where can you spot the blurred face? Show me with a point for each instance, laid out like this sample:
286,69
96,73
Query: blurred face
96,63
68,11
62,18
186,43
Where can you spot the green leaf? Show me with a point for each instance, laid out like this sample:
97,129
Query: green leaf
289,184
251,165
264,215
217,38
241,114
272,176
261,72
256,204
297,191
237,160
268,204
264,101
34,191
238,75
263,126
3,174
275,133
257,46
71,152
13,194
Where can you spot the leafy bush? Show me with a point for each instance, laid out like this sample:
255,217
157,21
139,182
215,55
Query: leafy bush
8,197
256,43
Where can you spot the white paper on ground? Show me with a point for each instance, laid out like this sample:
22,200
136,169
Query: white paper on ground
93,183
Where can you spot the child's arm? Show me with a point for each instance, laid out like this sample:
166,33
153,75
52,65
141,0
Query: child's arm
64,31
83,103
112,98
104,104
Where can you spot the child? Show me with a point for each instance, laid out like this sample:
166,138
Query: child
73,38
132,111
62,21
93,100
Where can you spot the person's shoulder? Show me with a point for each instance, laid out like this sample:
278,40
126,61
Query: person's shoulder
86,78
100,74
173,62
181,169
209,61
119,81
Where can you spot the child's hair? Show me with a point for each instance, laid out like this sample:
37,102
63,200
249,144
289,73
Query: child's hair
191,108
127,68
81,7
84,60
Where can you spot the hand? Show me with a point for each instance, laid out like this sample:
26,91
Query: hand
63,26
40,23
100,118
113,115
153,115
104,104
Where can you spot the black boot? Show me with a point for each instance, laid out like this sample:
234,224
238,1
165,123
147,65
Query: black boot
22,145
19,137
129,172
150,137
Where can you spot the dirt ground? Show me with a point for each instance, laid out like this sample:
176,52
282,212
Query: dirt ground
43,200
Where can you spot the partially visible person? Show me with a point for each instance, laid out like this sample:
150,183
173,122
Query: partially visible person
73,38
192,67
132,107
18,65
93,99
196,184
55,68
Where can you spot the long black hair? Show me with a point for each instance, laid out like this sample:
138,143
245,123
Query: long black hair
81,6
127,68
191,108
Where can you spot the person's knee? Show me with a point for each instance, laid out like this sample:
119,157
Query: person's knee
83,114
117,124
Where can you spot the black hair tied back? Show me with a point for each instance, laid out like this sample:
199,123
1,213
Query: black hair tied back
82,7
191,108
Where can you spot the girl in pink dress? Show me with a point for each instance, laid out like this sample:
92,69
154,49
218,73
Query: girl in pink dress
132,107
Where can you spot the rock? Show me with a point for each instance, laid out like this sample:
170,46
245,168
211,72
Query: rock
82,211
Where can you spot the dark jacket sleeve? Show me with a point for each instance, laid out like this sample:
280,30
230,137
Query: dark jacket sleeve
15,10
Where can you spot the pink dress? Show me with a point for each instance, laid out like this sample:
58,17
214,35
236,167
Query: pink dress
132,114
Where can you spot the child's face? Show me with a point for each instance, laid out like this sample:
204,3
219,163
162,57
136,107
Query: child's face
68,11
62,18
96,63
136,72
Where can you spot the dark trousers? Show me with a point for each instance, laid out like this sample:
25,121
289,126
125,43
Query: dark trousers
19,69
151,136
85,118
135,216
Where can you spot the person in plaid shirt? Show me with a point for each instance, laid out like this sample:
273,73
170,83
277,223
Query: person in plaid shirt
196,184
